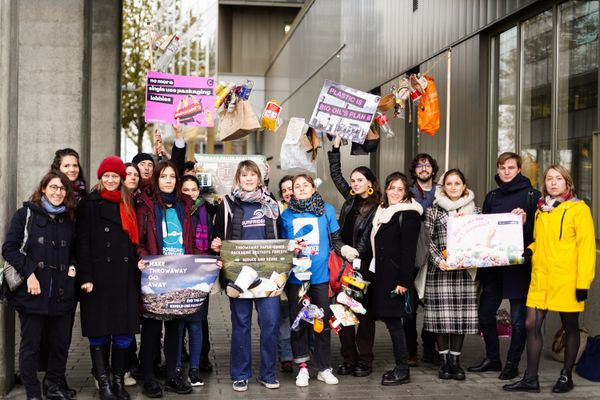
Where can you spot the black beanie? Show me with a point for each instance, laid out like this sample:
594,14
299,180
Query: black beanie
142,157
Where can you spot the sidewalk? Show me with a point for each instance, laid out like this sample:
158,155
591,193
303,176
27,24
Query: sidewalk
424,382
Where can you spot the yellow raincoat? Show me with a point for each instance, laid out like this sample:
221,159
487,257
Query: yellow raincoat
564,257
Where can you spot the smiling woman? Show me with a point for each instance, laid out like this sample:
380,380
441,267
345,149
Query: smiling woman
67,161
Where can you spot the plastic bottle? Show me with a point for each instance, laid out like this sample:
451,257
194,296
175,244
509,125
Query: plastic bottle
165,59
246,89
384,126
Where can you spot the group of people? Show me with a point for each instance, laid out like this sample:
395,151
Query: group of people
72,245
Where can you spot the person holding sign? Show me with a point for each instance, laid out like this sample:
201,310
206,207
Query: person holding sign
362,196
250,213
310,219
165,229
563,259
514,194
396,227
450,295
107,232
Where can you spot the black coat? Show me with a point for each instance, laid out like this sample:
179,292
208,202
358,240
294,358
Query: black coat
395,247
518,193
107,259
49,255
361,232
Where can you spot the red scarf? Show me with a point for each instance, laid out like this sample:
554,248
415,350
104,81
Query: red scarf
130,225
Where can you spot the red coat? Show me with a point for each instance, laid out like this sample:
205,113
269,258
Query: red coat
149,245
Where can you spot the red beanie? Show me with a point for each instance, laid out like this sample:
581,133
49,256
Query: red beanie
112,164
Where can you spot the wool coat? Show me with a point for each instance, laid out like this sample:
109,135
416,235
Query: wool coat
106,258
48,249
564,257
395,245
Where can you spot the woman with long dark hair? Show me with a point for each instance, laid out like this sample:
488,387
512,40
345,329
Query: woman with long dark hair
67,161
361,198
450,295
396,226
107,233
39,246
165,229
563,259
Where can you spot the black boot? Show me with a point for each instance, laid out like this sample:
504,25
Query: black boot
100,369
564,383
120,360
510,371
444,371
398,376
56,391
456,370
527,384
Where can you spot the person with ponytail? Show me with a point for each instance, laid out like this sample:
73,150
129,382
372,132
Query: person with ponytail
361,198
166,228
107,233
39,246
310,219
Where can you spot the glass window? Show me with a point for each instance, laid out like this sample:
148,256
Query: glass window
577,85
536,95
507,90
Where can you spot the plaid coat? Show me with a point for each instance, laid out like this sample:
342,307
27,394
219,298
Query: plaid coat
450,296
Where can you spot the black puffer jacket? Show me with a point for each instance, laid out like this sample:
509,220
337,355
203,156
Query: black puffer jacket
518,193
49,255
361,233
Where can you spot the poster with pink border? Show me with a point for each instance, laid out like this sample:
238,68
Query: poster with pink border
189,98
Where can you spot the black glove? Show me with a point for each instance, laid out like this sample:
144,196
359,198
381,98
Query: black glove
527,254
581,294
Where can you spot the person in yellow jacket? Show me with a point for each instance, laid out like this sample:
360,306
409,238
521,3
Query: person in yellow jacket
563,265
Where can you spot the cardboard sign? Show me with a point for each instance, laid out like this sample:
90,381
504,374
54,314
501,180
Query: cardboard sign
220,168
187,98
484,240
344,111
177,285
256,268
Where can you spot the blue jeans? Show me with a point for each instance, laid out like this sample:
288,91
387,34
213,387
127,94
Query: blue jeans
491,297
241,327
118,341
194,329
284,345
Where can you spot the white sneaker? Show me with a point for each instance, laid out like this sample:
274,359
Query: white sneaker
327,377
302,377
128,380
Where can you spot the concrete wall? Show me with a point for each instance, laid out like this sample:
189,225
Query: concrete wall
59,87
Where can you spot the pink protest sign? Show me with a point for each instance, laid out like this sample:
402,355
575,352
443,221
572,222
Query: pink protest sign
187,98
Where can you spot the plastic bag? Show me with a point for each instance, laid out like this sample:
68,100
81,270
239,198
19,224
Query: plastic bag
429,109
292,154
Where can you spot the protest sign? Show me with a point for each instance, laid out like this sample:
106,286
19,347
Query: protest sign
177,285
484,240
187,98
344,111
256,268
219,169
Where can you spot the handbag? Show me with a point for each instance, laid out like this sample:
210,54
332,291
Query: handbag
9,274
420,280
370,144
338,267
239,123
558,344
588,365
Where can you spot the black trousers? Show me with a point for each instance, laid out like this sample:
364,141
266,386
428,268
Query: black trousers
394,326
151,332
319,296
410,329
357,342
57,335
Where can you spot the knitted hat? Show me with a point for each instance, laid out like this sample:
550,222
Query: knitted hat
112,164
142,157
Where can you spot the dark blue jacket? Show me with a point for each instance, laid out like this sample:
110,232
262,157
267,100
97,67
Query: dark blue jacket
49,252
518,193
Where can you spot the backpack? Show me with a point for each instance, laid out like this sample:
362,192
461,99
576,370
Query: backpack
422,252
429,109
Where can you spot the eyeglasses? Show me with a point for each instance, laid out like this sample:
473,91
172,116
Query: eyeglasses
423,165
55,188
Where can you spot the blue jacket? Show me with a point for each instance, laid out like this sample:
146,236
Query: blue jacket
518,193
49,252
